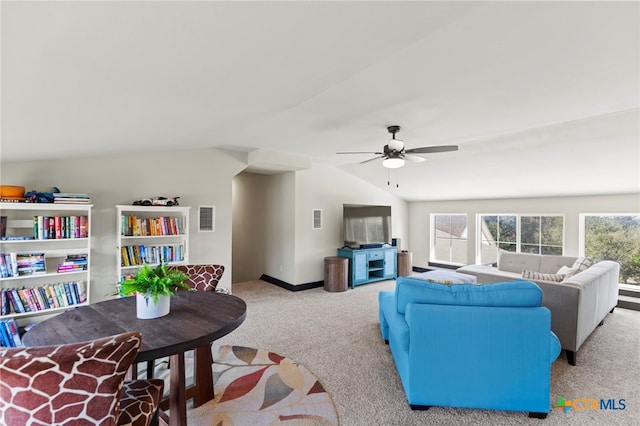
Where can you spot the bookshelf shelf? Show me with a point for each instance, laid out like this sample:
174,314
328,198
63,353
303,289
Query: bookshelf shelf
150,235
32,252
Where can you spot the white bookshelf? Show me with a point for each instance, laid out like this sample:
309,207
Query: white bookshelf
21,239
167,242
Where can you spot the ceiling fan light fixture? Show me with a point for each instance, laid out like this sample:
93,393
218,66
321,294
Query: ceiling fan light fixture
396,145
393,162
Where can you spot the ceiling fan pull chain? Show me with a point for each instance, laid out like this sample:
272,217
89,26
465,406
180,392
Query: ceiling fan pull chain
388,177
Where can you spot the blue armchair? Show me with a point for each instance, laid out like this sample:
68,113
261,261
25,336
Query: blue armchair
484,346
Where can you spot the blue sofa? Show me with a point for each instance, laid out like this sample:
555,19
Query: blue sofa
471,346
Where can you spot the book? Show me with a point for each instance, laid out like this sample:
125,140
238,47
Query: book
28,305
5,307
74,293
3,267
53,302
12,328
5,340
62,298
16,301
82,291
35,292
67,292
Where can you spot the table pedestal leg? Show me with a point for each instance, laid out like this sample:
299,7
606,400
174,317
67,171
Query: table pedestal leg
203,377
177,392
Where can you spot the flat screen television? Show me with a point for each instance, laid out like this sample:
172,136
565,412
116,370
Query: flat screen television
365,224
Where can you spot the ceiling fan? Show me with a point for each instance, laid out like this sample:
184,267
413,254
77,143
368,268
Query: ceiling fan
394,153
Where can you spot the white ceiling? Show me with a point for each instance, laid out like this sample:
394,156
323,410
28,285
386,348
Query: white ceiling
542,98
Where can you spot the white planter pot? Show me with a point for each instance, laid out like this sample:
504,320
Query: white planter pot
147,308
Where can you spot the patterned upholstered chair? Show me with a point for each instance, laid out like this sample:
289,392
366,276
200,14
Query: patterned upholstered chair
202,277
79,383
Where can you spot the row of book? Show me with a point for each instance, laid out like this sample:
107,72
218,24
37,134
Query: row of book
9,334
21,264
34,299
132,226
26,264
70,198
139,254
60,227
73,263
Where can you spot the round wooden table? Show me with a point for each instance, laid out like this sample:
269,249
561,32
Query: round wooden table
197,318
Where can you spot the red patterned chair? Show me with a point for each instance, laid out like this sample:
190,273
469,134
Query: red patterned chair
79,383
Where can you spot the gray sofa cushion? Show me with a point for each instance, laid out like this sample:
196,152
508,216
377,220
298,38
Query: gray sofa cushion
551,264
518,262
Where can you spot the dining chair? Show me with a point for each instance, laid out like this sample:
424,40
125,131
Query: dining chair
202,277
78,383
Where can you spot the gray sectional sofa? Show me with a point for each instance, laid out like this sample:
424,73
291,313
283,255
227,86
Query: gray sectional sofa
578,303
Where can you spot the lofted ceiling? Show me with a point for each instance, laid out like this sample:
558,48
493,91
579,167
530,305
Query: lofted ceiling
542,98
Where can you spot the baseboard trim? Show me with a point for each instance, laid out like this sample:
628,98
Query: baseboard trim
291,287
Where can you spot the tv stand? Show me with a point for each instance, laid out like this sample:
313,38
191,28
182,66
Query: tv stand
370,265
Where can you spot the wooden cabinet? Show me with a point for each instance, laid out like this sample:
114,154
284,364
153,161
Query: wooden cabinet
150,235
46,258
369,265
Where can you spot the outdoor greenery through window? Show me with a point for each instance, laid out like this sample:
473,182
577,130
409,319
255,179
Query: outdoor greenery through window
449,238
539,234
614,237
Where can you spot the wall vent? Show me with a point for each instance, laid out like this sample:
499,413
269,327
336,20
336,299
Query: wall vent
206,219
317,219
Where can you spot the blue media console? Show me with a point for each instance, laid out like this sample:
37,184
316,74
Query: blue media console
369,265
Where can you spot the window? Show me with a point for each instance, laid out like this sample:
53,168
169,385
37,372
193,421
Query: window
539,234
496,233
613,237
449,238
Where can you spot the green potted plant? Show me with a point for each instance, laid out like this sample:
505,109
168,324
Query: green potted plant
153,288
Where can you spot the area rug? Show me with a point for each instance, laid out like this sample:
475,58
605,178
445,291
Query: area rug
258,387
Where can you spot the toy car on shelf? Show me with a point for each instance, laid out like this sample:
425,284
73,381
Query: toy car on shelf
157,201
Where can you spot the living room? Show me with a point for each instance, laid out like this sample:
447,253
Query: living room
100,98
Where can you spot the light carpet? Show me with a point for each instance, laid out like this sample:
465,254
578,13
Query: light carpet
337,336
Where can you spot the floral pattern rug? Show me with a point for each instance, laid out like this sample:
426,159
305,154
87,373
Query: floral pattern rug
258,387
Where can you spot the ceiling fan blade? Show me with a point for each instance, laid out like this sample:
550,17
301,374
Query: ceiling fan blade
432,149
360,152
414,158
372,159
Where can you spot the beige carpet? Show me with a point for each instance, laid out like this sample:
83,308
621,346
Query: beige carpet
337,337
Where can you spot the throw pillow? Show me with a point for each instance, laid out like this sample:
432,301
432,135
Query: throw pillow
75,383
535,275
567,271
582,263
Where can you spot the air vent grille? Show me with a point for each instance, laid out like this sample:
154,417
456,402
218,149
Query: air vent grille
317,219
206,218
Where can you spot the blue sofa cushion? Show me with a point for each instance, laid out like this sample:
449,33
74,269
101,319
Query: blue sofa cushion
508,294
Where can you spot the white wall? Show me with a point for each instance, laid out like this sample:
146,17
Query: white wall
571,207
328,189
249,242
200,177
273,232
